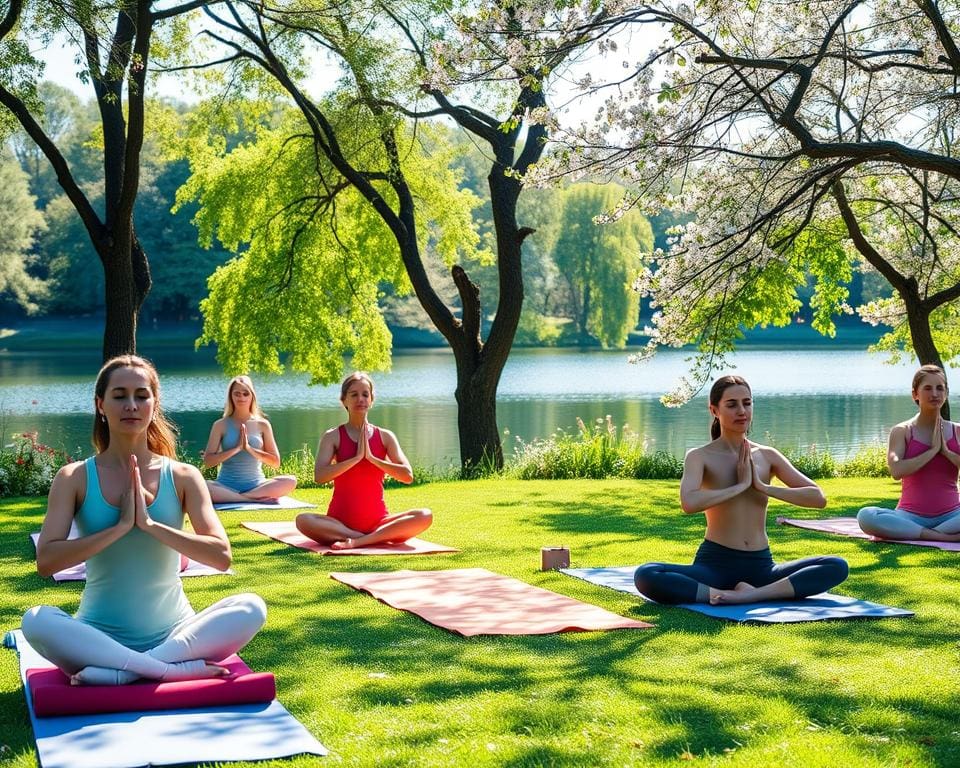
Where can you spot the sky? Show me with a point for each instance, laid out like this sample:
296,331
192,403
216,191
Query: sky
633,46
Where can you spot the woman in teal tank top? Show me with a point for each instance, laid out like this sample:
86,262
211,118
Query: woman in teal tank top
240,443
128,503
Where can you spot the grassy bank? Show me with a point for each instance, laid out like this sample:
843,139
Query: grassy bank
382,688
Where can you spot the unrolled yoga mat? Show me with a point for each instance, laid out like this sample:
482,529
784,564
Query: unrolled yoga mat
78,572
848,526
475,601
165,737
287,533
814,608
284,502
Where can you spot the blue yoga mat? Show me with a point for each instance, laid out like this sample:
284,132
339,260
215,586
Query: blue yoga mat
163,737
814,608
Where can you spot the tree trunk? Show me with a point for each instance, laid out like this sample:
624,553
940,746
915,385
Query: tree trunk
480,446
126,284
918,319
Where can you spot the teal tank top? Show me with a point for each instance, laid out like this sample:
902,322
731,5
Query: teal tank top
241,472
133,591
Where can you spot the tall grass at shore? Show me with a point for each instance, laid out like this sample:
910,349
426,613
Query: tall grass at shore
601,450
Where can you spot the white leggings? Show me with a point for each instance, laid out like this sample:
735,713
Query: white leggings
93,657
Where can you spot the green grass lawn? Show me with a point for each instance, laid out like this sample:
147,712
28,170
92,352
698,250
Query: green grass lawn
383,688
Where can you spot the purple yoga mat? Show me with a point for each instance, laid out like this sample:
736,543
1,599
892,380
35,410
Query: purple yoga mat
847,526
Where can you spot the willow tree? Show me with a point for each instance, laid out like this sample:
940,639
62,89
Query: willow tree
807,138
488,73
598,253
113,42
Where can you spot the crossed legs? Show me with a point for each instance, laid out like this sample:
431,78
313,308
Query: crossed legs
898,524
393,528
729,577
92,657
269,490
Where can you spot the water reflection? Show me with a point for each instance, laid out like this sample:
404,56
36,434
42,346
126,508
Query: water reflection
835,399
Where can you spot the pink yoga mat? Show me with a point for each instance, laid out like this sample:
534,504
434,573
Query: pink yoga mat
287,533
847,526
53,695
475,601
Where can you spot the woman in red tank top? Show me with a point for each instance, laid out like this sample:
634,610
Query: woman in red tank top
924,454
356,456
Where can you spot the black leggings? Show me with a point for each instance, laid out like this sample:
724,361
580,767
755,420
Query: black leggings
722,568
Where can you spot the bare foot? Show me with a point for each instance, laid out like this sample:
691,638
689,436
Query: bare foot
193,670
345,544
742,593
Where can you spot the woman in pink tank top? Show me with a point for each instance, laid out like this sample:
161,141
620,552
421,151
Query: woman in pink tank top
356,456
924,454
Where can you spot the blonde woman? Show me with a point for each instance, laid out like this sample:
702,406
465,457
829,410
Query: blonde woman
240,444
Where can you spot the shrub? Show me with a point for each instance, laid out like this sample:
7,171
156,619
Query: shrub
596,452
27,467
813,462
869,461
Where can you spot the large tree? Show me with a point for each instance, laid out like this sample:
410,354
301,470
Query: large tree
806,138
489,74
113,40
598,253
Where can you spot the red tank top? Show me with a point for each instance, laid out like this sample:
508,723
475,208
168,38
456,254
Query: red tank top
932,489
358,493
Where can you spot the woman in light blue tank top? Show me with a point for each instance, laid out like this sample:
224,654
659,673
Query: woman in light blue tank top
240,443
128,503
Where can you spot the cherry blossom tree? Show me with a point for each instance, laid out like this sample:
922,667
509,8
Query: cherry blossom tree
807,138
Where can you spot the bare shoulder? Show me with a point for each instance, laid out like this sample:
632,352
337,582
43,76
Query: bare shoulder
698,452
184,472
901,431
767,451
73,473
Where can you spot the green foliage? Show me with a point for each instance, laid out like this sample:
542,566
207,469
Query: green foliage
27,467
829,263
598,451
868,461
814,462
311,257
535,330
598,252
19,222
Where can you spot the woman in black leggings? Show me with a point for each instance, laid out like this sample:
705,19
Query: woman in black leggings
729,479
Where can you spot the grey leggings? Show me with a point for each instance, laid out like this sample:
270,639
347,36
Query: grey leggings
210,635
900,524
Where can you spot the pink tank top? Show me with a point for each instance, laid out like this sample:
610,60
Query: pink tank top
932,489
357,499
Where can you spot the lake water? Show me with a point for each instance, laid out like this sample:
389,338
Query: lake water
838,400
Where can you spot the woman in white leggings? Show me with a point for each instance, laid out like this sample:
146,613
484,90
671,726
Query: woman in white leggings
128,502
